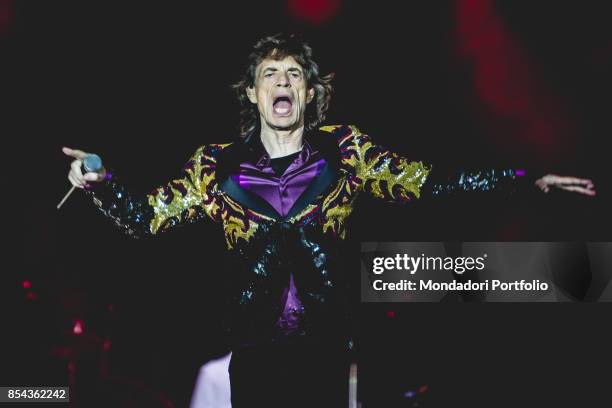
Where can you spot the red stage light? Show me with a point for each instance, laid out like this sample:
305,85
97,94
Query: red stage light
313,11
26,284
505,81
6,16
78,327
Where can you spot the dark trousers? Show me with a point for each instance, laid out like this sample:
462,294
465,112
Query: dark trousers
289,376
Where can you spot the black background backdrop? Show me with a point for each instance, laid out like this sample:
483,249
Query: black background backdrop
144,85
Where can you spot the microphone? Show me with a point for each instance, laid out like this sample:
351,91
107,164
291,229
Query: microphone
92,163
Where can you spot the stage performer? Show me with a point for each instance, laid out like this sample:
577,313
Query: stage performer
283,193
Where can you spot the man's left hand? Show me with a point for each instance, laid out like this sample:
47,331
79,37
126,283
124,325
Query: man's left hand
574,184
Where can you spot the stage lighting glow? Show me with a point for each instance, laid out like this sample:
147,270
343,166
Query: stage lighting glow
409,394
314,11
78,327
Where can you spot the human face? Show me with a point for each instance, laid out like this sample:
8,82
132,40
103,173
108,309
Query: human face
281,94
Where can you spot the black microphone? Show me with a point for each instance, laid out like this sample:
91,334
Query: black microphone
92,163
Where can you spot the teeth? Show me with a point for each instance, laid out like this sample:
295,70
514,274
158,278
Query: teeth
281,110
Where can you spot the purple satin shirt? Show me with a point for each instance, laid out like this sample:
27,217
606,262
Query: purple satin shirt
281,192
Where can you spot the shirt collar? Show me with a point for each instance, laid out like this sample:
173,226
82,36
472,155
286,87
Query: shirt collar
250,150
261,159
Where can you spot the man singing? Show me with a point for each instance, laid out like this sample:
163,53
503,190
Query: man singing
283,193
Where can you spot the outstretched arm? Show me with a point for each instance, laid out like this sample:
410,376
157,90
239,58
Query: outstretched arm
391,177
185,199
388,176
505,180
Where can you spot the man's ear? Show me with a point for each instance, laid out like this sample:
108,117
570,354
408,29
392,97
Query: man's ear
310,96
250,91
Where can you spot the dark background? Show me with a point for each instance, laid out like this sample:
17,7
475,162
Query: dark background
459,84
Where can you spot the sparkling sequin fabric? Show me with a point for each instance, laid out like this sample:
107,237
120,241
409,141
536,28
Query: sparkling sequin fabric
266,249
479,180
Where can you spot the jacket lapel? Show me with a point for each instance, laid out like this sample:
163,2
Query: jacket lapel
230,159
318,185
247,198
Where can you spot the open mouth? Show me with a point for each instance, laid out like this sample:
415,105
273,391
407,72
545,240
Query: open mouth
282,105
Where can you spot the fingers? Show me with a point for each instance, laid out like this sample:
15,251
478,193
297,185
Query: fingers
573,184
75,182
542,185
555,180
573,180
92,177
576,189
77,154
75,168
80,180
75,175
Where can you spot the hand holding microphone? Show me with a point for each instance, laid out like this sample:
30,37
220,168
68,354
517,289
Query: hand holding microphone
85,168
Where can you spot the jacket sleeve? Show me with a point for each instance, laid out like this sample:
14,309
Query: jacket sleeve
183,200
506,181
380,172
388,176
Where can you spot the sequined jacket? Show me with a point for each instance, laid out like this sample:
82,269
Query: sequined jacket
264,246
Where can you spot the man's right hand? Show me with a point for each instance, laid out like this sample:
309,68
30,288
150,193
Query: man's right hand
75,175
